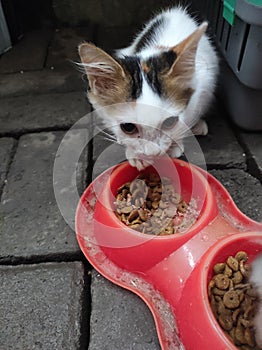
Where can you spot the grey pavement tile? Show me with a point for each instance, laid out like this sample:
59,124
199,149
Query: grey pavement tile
43,81
252,142
220,146
63,50
119,319
245,190
6,147
31,224
41,306
27,54
35,112
105,154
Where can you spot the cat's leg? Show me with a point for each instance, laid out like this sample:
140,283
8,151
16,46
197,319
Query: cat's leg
197,107
200,128
176,151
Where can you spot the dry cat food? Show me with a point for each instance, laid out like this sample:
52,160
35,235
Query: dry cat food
234,301
150,205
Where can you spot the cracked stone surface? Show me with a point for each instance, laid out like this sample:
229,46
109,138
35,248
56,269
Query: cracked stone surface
41,306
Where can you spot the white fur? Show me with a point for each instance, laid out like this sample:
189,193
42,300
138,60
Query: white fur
256,279
178,25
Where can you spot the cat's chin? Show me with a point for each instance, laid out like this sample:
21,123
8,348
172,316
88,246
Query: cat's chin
141,162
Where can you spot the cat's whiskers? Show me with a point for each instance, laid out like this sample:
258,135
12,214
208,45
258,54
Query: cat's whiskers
109,139
107,135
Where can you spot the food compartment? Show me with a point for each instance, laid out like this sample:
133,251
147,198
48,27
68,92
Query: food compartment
138,250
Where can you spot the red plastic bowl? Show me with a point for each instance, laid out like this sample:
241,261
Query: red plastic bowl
137,251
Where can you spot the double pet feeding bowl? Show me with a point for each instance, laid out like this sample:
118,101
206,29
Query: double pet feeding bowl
171,273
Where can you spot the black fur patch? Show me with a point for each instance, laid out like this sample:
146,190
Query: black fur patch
145,39
131,65
158,65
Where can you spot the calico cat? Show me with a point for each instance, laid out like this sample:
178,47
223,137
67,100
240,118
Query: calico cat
156,89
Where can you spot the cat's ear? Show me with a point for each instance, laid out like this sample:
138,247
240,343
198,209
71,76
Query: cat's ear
184,64
105,75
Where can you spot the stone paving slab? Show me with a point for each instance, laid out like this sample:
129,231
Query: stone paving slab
6,146
40,82
245,190
105,154
253,144
31,225
41,306
63,50
28,54
119,319
28,113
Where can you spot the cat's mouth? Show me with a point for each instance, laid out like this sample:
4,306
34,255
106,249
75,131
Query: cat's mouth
150,159
150,154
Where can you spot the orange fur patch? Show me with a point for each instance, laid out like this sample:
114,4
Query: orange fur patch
145,67
176,90
115,92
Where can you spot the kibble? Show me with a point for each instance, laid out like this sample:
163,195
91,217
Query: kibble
150,205
234,301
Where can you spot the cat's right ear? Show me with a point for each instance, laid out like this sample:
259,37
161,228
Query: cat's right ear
106,77
184,64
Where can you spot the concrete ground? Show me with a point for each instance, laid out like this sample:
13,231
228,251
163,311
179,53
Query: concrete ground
50,297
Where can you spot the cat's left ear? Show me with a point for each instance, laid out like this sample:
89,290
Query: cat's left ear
184,64
107,79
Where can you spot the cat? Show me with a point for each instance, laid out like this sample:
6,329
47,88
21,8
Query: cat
256,279
168,77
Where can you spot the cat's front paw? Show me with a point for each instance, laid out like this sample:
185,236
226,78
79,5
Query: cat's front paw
176,151
138,163
200,128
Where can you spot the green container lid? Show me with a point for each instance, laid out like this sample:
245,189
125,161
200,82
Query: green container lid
229,11
248,10
255,2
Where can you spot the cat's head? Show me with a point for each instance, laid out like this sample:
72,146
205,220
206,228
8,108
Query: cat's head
145,97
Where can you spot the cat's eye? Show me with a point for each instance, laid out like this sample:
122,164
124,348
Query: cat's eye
169,123
129,128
